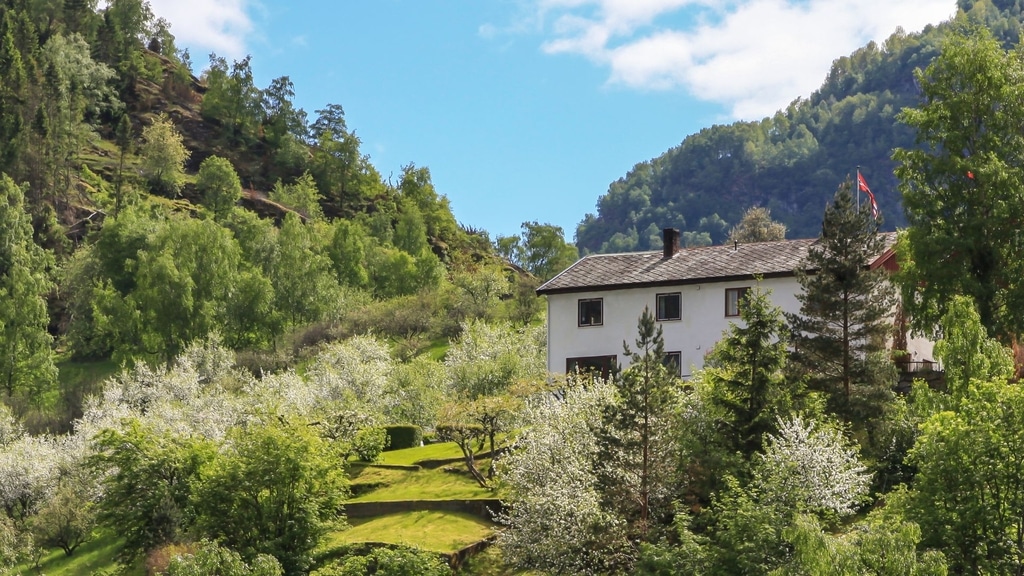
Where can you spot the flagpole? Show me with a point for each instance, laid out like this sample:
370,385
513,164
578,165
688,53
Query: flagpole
857,184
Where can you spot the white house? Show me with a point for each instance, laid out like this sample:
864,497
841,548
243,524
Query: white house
594,305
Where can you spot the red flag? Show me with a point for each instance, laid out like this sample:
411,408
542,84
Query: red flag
863,185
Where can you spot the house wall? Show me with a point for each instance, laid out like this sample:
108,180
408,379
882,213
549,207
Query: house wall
702,323
701,326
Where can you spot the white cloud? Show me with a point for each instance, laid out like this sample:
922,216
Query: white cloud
754,56
204,25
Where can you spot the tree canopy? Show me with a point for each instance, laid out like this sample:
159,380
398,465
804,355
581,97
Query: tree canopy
961,185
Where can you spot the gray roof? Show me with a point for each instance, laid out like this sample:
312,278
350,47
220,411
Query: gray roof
688,266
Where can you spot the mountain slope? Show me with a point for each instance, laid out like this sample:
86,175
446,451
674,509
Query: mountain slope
791,162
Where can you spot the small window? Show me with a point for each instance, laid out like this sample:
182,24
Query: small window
670,306
591,312
733,298
602,366
674,362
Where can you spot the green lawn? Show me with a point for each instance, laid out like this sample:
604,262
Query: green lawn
416,484
409,456
93,557
430,530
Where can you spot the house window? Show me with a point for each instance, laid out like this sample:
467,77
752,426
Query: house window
733,297
674,362
670,306
591,312
592,365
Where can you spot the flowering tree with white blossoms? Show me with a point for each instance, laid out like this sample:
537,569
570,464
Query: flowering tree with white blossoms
353,373
190,398
555,521
488,358
28,475
808,467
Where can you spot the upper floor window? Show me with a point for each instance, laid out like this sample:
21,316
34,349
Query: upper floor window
591,312
733,298
670,306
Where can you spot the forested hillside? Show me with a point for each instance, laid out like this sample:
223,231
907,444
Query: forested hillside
791,162
150,206
202,283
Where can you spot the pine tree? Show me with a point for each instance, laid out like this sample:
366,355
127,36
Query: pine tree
635,443
839,334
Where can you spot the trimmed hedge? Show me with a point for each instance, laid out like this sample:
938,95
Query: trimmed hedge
404,436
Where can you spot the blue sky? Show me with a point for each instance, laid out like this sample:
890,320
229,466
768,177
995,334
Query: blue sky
529,109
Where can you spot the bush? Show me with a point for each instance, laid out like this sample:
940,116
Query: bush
398,561
369,443
404,436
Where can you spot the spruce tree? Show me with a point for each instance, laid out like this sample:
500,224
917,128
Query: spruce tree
26,358
839,334
746,368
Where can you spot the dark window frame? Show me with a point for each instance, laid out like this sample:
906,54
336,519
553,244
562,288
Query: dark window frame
605,364
675,357
679,306
590,318
741,293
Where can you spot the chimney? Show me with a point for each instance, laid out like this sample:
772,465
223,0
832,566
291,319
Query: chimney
671,240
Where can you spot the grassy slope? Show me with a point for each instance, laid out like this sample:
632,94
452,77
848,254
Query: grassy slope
410,456
429,530
93,557
436,531
415,485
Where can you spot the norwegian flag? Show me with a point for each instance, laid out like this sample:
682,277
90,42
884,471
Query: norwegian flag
863,186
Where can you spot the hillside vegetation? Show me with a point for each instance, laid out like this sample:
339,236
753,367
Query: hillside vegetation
228,346
792,161
196,271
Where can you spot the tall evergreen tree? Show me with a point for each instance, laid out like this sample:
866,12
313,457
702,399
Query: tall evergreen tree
746,368
26,359
839,334
123,138
635,443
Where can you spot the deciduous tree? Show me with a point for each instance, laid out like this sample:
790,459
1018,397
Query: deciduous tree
211,558
219,186
541,249
556,521
961,185
305,287
757,226
163,156
148,482
301,195
275,490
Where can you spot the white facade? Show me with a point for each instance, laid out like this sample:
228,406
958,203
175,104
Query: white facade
703,320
